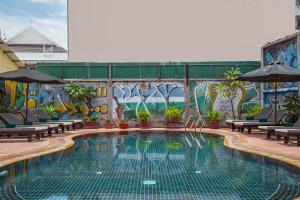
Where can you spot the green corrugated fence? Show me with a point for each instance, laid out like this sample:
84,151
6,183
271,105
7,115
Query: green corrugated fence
180,70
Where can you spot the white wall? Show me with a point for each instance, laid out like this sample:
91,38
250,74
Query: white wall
175,30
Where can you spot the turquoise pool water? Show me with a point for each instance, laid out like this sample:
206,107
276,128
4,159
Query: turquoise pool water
149,166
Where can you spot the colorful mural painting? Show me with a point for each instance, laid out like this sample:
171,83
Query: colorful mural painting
269,97
154,97
13,97
204,96
285,52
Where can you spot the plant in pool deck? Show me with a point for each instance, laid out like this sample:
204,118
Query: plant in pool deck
213,118
252,112
89,93
144,115
91,121
51,111
292,106
173,114
76,94
231,87
123,124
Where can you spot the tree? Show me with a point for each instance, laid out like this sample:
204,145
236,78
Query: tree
230,88
76,93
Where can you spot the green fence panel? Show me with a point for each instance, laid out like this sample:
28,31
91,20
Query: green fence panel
150,71
99,72
126,72
172,71
197,70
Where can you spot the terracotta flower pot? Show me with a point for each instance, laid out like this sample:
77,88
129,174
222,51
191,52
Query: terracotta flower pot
91,124
144,124
214,124
123,125
108,125
173,123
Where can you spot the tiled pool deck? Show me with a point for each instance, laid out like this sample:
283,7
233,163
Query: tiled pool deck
12,150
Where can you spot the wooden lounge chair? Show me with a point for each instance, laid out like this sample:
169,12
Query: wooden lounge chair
263,113
271,129
42,115
29,132
13,119
287,133
255,124
31,118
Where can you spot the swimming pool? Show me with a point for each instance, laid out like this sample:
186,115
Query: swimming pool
149,166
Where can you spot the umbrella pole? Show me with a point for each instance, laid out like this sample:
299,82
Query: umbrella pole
26,103
276,102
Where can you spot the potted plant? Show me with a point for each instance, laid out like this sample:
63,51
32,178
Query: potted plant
213,119
123,124
51,111
173,115
91,122
108,124
291,105
144,115
252,112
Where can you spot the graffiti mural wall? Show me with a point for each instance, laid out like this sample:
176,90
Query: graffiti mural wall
269,97
41,94
154,97
285,52
204,96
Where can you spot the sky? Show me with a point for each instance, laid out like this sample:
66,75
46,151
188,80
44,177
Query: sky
48,16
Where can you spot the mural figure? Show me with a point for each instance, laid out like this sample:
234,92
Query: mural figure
151,96
286,52
13,97
205,97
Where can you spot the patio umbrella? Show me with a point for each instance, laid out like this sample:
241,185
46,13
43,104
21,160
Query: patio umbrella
27,75
275,72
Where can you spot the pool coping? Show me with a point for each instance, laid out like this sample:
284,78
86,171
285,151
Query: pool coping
232,140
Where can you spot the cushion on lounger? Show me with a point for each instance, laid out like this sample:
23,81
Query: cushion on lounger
289,125
10,125
42,120
54,118
27,123
263,120
250,118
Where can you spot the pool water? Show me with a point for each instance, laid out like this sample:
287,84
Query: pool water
149,166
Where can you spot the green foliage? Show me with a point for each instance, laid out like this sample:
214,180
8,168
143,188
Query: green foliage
51,110
89,93
253,110
230,88
79,93
143,115
213,115
292,105
173,113
93,118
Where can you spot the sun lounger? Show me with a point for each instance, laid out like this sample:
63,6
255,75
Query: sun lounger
31,118
29,132
287,133
42,114
271,129
263,113
13,119
255,124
